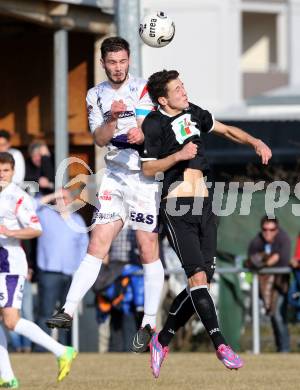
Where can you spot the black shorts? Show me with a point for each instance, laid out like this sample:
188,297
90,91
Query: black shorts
192,234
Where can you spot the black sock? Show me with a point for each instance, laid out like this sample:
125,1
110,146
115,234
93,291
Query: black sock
180,312
205,308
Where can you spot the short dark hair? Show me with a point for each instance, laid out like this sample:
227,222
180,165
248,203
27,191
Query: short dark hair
114,44
157,83
7,158
36,144
266,219
5,134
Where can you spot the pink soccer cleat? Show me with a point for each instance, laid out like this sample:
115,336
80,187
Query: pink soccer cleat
229,358
157,355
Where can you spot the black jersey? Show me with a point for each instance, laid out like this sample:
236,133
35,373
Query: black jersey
165,135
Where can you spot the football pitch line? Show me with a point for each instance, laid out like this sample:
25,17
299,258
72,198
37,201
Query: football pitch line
181,371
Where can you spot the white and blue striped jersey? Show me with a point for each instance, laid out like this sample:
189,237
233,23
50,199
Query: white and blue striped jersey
135,96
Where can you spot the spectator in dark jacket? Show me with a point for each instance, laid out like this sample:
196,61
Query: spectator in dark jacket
39,175
39,167
272,248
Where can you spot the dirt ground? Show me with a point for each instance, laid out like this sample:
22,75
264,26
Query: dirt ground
186,371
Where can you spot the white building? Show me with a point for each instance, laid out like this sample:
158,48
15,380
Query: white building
229,50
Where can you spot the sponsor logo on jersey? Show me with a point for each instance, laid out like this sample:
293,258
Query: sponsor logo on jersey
183,128
126,114
105,195
133,88
34,219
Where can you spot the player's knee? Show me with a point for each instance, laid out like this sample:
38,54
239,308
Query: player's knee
10,322
98,247
147,254
197,278
148,247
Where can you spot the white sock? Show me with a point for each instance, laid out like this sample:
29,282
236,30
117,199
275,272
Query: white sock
82,281
154,283
6,372
34,333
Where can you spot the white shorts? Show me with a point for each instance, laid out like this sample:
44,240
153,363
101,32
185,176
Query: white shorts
11,290
130,197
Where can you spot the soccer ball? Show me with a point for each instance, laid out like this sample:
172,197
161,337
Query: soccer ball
157,29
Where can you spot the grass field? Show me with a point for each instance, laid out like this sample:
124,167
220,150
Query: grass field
188,371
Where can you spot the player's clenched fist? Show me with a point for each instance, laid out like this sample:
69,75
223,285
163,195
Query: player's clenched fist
135,136
117,108
188,152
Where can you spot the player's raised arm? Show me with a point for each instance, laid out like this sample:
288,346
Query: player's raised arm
102,126
151,167
104,133
238,135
